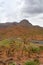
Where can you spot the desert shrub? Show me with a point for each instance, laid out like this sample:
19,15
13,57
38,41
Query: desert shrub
7,42
36,60
11,63
41,47
35,49
4,42
31,63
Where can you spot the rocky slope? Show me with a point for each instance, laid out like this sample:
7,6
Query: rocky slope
23,29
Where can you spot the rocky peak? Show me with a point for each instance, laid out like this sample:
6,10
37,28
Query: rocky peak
25,23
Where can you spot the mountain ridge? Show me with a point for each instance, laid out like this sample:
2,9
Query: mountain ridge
23,22
24,29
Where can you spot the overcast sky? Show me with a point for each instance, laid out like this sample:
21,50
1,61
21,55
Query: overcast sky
16,10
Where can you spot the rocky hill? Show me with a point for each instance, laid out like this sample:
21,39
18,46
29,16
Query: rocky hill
21,29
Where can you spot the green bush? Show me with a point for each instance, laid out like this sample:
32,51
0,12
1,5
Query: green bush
41,47
11,63
35,49
36,60
31,63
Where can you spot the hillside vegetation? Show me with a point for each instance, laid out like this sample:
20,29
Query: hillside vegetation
19,52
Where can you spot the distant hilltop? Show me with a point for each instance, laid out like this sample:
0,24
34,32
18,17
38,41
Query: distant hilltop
23,22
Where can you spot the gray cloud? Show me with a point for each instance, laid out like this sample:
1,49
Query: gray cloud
33,6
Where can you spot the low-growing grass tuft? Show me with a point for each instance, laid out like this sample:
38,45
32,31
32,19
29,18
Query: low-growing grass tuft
31,63
35,49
